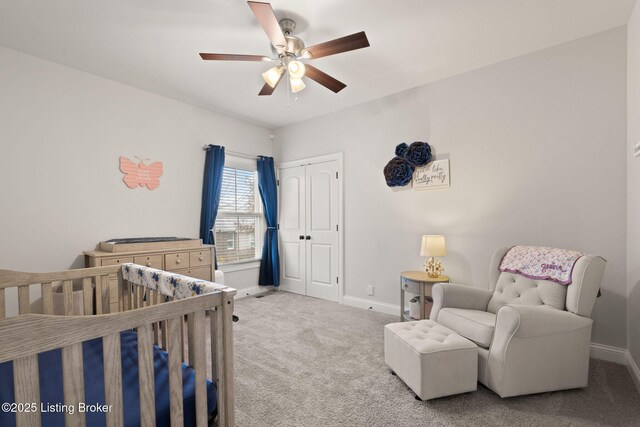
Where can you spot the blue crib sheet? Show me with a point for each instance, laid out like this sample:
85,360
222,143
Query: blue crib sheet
51,388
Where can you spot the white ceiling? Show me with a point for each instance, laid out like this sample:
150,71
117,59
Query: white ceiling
154,44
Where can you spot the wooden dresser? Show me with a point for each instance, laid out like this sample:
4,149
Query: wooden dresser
190,258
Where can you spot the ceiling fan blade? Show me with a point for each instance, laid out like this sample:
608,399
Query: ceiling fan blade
269,23
268,90
232,57
343,44
323,78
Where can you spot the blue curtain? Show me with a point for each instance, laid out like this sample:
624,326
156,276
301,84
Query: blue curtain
270,264
213,167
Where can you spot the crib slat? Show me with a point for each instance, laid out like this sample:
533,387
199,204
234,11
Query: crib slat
134,296
113,379
125,295
145,372
175,371
47,298
24,303
106,299
163,325
191,338
140,290
3,312
227,367
183,326
87,296
118,292
217,361
155,301
67,292
98,282
27,389
163,335
198,361
73,383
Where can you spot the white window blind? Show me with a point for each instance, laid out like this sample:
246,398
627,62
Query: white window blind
239,226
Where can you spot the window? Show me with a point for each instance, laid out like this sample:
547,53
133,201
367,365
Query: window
239,226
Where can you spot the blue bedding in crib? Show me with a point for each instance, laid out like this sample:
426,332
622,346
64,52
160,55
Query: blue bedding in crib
51,388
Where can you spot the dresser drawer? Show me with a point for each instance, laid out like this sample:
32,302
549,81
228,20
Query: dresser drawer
175,261
116,261
202,273
198,258
153,261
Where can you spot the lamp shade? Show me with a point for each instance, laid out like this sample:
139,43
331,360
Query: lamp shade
296,85
272,75
433,245
296,69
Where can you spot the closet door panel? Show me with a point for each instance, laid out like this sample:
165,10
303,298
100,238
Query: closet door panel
321,215
292,226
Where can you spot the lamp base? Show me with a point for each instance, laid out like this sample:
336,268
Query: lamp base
433,267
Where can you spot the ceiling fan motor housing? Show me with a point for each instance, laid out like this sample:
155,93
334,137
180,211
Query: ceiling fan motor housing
294,44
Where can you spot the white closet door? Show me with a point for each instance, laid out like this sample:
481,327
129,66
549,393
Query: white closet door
321,213
292,227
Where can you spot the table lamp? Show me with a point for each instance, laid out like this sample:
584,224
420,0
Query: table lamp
433,246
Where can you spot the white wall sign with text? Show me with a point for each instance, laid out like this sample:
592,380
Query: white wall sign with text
434,174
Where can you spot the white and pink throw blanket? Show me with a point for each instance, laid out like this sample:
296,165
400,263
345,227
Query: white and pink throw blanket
541,263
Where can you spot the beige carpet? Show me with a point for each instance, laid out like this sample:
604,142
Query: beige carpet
307,362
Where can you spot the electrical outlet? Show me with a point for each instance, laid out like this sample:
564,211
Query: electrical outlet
369,289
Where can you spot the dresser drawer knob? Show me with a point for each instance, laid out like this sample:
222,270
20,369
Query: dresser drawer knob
178,261
148,264
201,258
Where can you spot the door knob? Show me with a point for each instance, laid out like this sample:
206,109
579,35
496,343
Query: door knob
308,237
301,237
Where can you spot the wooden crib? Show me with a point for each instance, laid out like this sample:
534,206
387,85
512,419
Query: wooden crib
157,319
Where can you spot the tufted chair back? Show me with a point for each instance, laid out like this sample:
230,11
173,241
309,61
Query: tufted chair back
578,297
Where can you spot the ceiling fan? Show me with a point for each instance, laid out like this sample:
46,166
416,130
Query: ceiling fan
289,50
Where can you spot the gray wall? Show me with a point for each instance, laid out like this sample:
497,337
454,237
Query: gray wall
537,149
62,133
633,199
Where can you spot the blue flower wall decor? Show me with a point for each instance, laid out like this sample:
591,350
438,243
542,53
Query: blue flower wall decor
419,153
399,170
401,149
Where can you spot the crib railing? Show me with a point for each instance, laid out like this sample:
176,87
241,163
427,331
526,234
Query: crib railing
156,318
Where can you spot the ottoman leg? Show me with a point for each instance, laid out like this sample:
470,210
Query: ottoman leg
393,373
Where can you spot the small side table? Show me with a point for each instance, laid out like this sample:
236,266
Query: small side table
418,283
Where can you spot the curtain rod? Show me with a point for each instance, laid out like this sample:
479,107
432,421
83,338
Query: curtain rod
234,153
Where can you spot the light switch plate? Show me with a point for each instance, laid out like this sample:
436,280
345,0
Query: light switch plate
636,149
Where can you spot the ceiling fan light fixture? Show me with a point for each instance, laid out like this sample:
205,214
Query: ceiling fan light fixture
296,85
272,75
296,69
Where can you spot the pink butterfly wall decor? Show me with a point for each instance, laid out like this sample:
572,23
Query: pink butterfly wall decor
139,174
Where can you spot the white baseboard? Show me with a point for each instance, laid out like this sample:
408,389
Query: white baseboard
254,290
633,369
608,353
372,305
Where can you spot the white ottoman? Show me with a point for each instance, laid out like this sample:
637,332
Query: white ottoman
432,360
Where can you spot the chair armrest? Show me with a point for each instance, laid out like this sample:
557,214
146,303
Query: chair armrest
458,296
526,321
536,349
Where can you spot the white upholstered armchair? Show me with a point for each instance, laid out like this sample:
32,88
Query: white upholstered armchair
533,335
